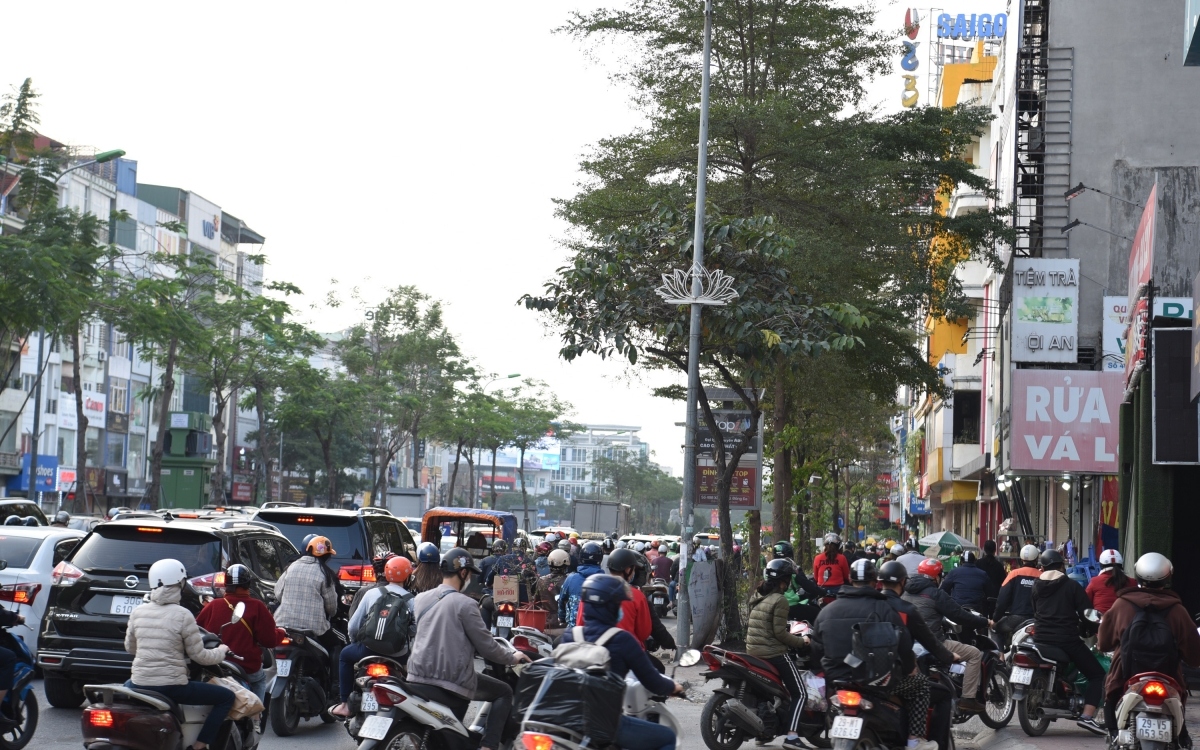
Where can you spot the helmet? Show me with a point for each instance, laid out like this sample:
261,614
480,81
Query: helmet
573,541
607,545
559,559
307,539
931,566
622,559
897,549
499,547
379,563
779,569
615,536
622,544
31,521
970,557
563,544
1029,553
428,552
544,548
574,534
863,570
458,559
958,550
551,538
605,591
639,546
62,517
591,554
1111,557
238,575
893,572
833,539
1051,559
783,549
674,546
319,547
166,573
1152,568
397,570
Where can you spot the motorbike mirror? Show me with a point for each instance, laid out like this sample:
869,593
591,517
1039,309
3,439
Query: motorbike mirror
1091,615
238,612
690,658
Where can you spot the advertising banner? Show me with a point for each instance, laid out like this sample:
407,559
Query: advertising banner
1065,421
47,475
743,492
1141,255
242,492
732,425
204,223
67,418
1135,342
1116,321
1045,324
94,407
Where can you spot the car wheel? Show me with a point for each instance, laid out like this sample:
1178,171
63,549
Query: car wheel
62,692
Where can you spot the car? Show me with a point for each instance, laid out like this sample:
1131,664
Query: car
103,579
85,523
414,526
22,508
357,536
31,552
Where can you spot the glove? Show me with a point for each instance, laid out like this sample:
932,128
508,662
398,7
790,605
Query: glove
280,634
651,644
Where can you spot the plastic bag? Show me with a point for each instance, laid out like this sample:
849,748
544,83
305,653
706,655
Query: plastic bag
587,703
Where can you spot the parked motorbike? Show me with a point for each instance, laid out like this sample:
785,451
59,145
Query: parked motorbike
1150,714
21,702
304,674
994,691
1045,685
658,595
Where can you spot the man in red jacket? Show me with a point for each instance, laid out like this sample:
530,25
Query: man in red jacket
246,637
635,612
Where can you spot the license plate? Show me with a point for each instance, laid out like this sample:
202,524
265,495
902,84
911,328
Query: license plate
1021,676
283,667
1155,730
124,605
504,621
659,600
846,728
375,727
369,704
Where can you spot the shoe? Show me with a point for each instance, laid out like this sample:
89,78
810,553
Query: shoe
795,744
971,705
1089,723
924,745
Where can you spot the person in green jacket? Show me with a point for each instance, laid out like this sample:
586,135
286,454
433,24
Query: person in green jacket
768,637
954,559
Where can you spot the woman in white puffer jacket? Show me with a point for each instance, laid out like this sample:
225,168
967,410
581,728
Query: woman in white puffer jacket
163,636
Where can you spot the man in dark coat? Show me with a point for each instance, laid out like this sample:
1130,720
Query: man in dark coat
968,585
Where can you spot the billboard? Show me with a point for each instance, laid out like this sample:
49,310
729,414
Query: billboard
743,489
1045,309
1191,40
1116,322
1141,255
1065,421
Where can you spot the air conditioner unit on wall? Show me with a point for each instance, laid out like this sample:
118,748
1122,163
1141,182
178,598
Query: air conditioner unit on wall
101,356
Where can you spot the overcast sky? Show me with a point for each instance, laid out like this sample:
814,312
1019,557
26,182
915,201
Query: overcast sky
375,143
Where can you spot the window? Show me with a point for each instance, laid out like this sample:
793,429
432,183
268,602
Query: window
176,398
138,414
66,447
52,405
116,449
287,553
966,417
118,395
384,537
8,443
28,382
63,548
137,457
262,556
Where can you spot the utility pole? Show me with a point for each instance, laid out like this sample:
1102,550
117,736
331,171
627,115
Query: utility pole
34,493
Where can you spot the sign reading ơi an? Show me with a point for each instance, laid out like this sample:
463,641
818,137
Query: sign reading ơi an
1065,421
1045,323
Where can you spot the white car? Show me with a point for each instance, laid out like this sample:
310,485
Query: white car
31,552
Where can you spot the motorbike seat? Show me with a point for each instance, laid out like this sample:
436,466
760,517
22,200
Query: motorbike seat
176,711
759,663
425,692
1052,652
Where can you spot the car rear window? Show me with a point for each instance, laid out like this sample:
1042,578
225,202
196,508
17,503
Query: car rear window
18,551
22,510
344,532
130,548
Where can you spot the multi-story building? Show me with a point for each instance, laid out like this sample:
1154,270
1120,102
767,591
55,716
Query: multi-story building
576,476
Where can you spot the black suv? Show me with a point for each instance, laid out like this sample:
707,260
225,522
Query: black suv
104,578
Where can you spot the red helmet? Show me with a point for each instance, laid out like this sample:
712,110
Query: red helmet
397,570
931,567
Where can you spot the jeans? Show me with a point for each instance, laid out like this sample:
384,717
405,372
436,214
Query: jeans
672,589
200,694
639,734
1085,661
350,656
500,695
791,679
257,683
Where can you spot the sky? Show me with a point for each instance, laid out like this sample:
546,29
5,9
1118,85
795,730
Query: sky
374,144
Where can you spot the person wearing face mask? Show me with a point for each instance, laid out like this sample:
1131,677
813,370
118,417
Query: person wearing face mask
450,632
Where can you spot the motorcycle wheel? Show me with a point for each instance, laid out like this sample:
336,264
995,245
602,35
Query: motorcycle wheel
999,706
1029,711
18,736
285,714
407,737
718,731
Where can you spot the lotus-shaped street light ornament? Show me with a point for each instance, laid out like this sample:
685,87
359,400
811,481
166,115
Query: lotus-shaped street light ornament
716,288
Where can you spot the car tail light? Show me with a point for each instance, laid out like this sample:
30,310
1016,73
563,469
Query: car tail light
536,741
1023,659
356,575
378,670
20,593
1154,693
387,697
65,574
99,718
212,584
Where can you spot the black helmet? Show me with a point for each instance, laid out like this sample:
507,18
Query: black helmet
608,545
784,549
499,547
614,536
62,517
970,558
893,572
863,570
379,562
238,575
622,559
428,552
591,554
458,559
604,590
779,569
1050,559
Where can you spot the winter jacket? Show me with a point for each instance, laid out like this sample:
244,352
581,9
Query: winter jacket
1016,595
933,604
307,598
910,561
1026,571
635,616
662,567
831,571
768,634
833,631
802,583
1058,607
572,589
8,618
548,588
163,636
918,627
1131,601
969,586
991,565
1102,593
542,563
449,633
364,609
247,637
658,632
625,653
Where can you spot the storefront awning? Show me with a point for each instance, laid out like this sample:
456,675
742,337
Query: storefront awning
961,491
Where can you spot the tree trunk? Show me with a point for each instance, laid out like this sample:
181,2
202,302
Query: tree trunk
474,479
754,552
416,444
781,510
454,474
327,457
154,487
216,492
82,491
264,443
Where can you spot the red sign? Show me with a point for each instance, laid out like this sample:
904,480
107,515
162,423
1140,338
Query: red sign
1135,340
1065,421
1141,255
1109,497
743,489
243,492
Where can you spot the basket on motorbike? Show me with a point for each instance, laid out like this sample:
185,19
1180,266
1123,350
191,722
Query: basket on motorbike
585,702
532,617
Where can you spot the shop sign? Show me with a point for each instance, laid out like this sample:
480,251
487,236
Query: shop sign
732,425
1065,421
1116,322
1045,324
47,475
117,422
116,484
204,222
242,492
94,406
1141,256
969,28
94,477
744,490
908,58
66,479
67,418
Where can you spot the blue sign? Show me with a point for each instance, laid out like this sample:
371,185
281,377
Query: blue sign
47,475
917,507
969,28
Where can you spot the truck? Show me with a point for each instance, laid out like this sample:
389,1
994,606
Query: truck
405,502
599,516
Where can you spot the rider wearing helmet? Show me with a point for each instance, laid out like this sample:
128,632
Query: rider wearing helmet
1104,588
934,604
427,575
247,637
968,584
163,637
540,560
1153,572
498,549
601,598
831,569
783,550
307,594
62,519
954,559
1014,603
442,656
549,587
911,559
1059,605
590,556
378,563
769,638
637,616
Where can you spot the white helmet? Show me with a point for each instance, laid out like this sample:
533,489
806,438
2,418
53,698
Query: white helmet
640,547
662,548
897,549
1029,553
1153,568
551,538
1111,557
166,573
622,544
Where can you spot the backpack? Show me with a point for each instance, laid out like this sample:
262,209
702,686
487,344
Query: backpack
1148,645
874,651
579,654
384,629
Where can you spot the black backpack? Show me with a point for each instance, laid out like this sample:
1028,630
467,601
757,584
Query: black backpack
384,629
1148,645
874,651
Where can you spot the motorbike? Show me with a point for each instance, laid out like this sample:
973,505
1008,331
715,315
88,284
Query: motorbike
362,703
867,718
21,702
304,682
532,642
1150,713
658,596
1045,685
504,619
994,691
752,701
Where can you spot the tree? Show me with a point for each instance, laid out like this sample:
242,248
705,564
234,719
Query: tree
329,407
535,414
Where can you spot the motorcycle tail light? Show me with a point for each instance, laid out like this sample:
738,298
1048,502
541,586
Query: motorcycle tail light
506,608
20,593
521,643
100,718
1154,693
387,697
285,641
378,670
65,574
849,699
535,741
1025,660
